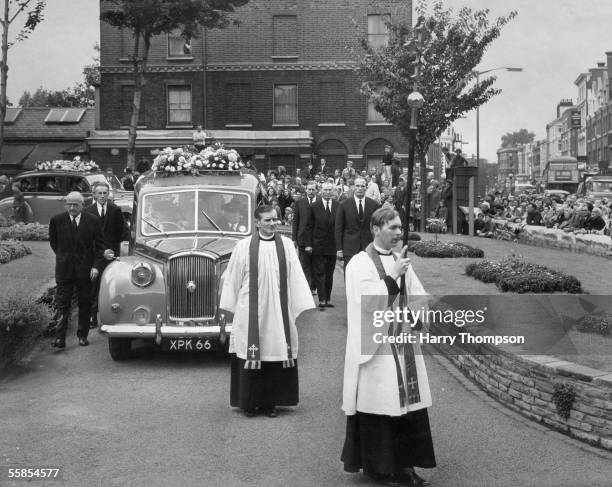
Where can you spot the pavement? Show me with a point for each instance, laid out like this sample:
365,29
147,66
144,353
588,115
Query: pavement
163,420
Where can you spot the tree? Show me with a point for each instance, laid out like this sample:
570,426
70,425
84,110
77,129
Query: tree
148,18
79,96
514,139
447,48
12,10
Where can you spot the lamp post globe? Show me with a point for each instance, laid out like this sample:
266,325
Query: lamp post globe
415,100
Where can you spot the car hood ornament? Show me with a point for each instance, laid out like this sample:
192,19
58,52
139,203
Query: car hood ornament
191,287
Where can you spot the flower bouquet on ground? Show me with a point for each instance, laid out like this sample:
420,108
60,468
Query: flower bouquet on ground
75,165
211,158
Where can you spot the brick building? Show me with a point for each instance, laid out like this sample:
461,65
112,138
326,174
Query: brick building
280,87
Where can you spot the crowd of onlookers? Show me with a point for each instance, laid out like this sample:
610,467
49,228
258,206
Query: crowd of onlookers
386,184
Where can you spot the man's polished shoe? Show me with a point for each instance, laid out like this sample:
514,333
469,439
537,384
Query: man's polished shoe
329,304
83,342
250,413
410,477
59,343
271,412
322,305
392,480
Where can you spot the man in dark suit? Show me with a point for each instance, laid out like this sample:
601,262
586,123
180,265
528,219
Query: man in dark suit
323,244
77,241
114,232
302,230
353,222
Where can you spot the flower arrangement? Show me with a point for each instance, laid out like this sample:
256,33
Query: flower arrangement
75,165
215,158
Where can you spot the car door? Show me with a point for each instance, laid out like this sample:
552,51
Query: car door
50,197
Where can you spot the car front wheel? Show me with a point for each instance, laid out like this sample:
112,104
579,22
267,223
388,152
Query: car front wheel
120,348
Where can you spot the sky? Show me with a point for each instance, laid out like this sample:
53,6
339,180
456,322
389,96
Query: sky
553,41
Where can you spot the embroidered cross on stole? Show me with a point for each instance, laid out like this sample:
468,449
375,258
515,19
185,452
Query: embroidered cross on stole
409,388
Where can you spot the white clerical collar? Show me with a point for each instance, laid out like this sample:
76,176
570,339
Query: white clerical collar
267,239
381,250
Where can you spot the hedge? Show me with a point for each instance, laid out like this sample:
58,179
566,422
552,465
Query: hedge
431,248
25,231
22,320
11,250
514,274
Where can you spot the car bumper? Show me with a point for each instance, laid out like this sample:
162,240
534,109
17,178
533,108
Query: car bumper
160,330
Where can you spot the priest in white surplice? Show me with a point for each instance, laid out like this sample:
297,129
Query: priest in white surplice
386,391
265,287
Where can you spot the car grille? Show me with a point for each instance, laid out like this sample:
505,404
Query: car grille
186,305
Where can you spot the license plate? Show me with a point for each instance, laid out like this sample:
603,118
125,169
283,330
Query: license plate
189,345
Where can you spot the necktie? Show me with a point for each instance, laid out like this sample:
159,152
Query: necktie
328,207
102,213
74,223
312,201
360,210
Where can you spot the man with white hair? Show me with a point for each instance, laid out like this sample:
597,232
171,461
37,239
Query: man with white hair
77,241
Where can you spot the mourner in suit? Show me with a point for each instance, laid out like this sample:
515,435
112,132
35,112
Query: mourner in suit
353,222
323,244
302,230
114,232
77,241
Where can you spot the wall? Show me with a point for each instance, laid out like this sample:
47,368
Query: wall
526,383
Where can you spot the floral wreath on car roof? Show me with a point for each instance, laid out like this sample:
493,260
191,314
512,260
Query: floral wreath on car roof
64,165
211,158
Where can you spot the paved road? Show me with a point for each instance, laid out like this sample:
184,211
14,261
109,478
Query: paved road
164,420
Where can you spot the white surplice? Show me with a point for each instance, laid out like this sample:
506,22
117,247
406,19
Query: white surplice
235,298
370,375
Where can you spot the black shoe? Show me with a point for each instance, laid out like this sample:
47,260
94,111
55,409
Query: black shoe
392,480
83,341
59,343
329,304
249,413
322,305
271,412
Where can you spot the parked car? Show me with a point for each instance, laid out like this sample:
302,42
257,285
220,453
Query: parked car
166,290
45,192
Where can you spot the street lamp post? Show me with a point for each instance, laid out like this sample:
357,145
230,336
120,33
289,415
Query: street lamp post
478,73
415,101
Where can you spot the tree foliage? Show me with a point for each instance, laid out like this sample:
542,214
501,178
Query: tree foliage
520,137
148,18
448,47
80,95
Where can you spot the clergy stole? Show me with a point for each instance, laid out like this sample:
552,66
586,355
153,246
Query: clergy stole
411,396
253,352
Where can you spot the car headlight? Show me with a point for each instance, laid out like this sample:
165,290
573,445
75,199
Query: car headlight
142,274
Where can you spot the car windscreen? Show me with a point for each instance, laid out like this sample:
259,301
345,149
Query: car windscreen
195,211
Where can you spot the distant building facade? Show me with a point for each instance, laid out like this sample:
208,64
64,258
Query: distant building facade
280,87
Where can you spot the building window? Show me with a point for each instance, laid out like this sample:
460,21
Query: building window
178,46
179,104
374,116
331,102
127,43
378,33
285,105
285,35
238,104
